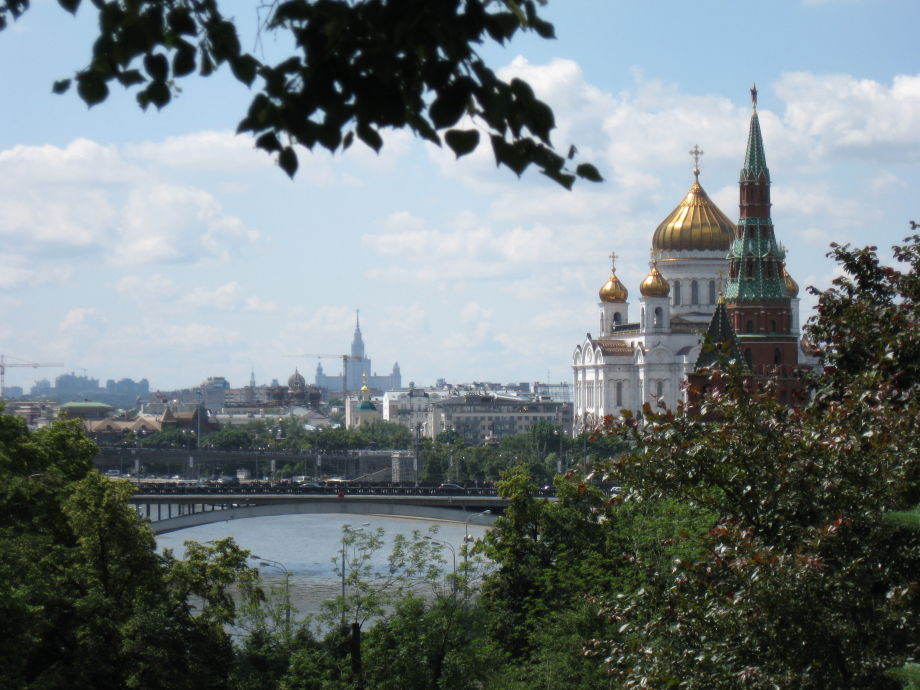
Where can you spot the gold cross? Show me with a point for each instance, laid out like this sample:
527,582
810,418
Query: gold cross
613,260
696,153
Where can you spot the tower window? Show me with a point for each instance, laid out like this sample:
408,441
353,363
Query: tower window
772,326
619,394
694,293
777,356
616,319
749,357
676,293
659,316
659,389
750,327
712,292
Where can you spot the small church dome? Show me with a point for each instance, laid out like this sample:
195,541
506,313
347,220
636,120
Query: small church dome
792,287
296,380
654,284
613,290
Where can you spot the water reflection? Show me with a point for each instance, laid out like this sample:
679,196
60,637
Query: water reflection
306,545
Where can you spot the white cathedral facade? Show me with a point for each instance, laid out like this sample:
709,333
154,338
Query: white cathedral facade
643,353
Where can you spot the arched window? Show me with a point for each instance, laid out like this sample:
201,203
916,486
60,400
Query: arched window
659,389
659,317
616,319
750,326
712,292
772,326
694,293
676,293
642,318
749,357
602,324
619,394
777,357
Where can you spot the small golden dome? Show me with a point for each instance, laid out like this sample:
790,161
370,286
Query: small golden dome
613,290
654,284
697,224
364,388
792,287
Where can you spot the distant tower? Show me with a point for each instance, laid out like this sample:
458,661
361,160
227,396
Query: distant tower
252,378
357,345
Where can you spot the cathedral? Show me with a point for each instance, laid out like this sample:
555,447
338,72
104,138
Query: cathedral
645,354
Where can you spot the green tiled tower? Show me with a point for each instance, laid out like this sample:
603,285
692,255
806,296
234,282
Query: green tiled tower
757,300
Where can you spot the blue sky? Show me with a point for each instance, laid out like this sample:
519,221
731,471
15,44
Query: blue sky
160,245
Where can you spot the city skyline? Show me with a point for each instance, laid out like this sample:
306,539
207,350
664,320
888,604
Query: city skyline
162,246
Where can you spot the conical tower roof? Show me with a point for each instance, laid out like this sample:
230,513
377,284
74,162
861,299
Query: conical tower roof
720,332
755,160
697,224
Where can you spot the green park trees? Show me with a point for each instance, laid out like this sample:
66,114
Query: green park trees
84,598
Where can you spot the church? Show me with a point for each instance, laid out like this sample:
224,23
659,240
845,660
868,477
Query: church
645,354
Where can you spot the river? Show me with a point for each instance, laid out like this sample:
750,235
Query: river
306,545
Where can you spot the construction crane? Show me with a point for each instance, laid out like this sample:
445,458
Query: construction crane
344,359
18,363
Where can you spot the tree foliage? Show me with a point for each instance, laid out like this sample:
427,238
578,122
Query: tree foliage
359,68
802,581
84,598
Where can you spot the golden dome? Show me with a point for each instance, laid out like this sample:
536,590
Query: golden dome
697,224
613,290
792,287
654,284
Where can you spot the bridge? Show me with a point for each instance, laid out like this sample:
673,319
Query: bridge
172,508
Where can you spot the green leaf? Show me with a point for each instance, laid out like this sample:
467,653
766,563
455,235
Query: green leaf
369,136
184,60
157,66
462,141
180,21
268,142
130,77
60,86
588,172
70,5
288,161
544,29
562,178
158,93
450,104
348,140
244,68
92,88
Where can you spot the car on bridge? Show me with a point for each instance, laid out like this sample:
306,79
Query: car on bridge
451,488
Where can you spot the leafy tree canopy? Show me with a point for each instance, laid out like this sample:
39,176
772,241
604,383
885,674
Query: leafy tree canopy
359,67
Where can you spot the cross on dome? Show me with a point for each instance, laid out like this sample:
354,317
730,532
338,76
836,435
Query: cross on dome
613,260
696,152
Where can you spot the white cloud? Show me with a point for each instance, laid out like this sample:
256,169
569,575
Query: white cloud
854,117
86,197
80,319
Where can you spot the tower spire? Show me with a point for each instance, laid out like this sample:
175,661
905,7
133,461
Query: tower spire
755,160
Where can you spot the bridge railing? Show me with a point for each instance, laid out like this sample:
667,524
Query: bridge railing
148,489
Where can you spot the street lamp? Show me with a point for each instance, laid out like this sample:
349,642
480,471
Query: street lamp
466,537
269,563
348,531
452,553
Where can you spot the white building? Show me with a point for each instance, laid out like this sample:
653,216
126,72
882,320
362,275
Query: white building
410,408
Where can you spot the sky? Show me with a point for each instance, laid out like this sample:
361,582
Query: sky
160,245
